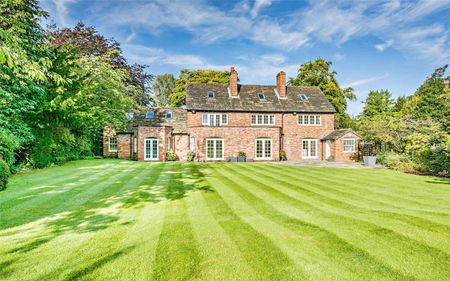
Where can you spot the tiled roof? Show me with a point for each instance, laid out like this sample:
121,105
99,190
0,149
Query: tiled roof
197,99
337,134
178,121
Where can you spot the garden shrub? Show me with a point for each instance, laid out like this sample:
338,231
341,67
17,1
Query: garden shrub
190,156
171,156
437,160
283,156
399,162
241,154
4,174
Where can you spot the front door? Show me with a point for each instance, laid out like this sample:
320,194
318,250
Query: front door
327,149
151,149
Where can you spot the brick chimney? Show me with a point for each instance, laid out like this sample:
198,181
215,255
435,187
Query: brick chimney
446,82
281,83
233,82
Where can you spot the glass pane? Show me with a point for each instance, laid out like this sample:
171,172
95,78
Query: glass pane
155,149
318,119
272,119
300,119
205,119
219,148
267,148
260,119
224,119
266,119
259,149
210,149
313,148
211,120
253,119
305,148
306,119
217,120
147,149
311,119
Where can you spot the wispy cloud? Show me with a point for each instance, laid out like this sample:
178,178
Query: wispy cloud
382,46
366,81
259,4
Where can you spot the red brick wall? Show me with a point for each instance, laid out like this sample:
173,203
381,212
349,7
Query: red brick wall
340,155
295,133
181,143
161,133
124,147
235,139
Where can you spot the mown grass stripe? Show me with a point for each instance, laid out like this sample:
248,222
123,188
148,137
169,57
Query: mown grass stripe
372,188
90,242
64,201
222,260
313,211
177,254
268,261
358,263
340,199
27,194
421,235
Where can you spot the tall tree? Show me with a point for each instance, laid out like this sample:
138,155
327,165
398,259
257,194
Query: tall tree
162,88
377,102
186,76
431,101
24,64
318,73
88,42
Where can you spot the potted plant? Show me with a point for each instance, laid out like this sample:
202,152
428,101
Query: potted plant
330,158
241,156
171,156
190,156
283,156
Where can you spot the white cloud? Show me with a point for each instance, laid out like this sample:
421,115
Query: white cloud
382,46
190,61
366,81
259,4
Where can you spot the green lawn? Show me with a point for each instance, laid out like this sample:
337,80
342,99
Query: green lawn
119,220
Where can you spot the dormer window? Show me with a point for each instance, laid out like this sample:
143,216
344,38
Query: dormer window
169,115
149,115
303,97
261,97
211,94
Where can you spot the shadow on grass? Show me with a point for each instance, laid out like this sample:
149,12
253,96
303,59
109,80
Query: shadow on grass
98,214
5,269
439,181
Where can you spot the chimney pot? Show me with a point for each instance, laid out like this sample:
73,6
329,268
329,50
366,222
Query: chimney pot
233,82
281,83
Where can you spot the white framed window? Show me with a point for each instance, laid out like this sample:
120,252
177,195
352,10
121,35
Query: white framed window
312,120
214,149
151,149
349,145
309,149
112,147
262,119
214,119
263,149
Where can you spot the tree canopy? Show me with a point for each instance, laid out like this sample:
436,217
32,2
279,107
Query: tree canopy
162,89
378,102
318,73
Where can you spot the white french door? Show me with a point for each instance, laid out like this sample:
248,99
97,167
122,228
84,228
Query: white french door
214,149
309,149
151,149
263,149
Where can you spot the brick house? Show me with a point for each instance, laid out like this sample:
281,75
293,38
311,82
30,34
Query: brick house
220,120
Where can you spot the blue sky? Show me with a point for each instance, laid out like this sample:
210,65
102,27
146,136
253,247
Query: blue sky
373,44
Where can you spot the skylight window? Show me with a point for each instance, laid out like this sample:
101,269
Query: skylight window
149,115
211,94
303,97
169,115
261,96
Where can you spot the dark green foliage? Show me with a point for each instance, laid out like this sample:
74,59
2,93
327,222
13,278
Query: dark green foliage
318,73
162,89
171,156
241,154
4,174
378,102
437,160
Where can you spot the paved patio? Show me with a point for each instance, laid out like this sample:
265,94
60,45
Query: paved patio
325,164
